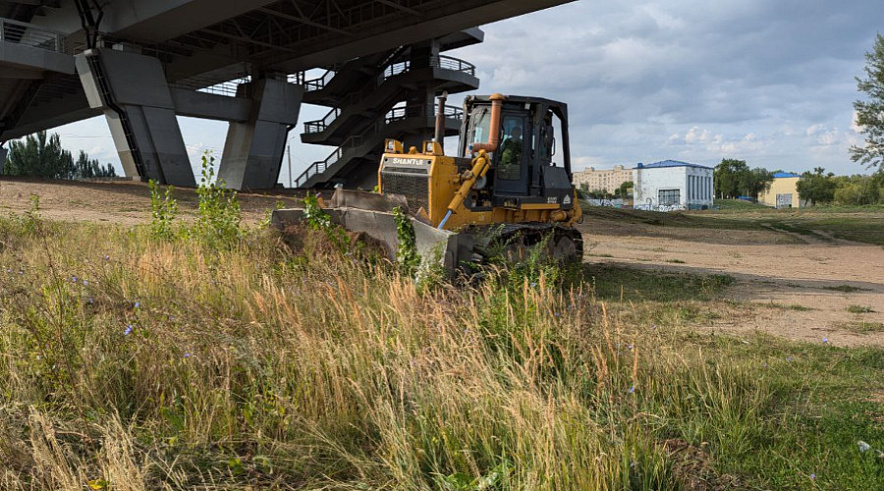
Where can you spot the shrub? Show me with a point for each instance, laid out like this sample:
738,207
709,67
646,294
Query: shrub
164,209
219,211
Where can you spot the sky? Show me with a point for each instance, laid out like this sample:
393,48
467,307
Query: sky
769,82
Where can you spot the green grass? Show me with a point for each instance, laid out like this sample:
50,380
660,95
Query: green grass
857,224
845,288
796,307
862,327
611,283
139,363
859,309
738,205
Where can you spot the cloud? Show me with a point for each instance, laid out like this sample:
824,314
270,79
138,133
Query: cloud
699,78
768,82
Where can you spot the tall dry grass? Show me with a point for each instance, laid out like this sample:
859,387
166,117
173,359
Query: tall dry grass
131,363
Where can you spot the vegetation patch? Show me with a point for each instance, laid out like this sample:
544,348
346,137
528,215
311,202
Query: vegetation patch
129,361
796,307
845,288
612,282
862,327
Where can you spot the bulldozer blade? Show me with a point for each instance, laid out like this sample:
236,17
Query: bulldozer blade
379,223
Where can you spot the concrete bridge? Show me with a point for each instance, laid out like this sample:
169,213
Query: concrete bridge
141,63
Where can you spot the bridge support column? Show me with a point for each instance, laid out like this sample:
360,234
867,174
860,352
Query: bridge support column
132,91
3,153
254,149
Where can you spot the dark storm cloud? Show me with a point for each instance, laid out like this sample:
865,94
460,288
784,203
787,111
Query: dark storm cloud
761,79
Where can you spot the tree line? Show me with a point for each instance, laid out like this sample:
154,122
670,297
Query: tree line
41,155
820,187
623,191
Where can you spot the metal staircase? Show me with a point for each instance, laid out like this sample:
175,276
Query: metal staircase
388,95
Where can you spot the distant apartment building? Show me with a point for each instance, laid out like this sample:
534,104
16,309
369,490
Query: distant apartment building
608,180
672,184
783,192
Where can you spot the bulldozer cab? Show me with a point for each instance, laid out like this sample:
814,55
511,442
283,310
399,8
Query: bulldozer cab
531,164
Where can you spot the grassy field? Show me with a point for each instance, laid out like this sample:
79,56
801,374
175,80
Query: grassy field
130,362
858,224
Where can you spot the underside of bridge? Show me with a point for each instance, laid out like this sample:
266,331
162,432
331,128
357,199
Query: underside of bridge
142,62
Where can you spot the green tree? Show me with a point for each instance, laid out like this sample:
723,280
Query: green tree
39,155
624,189
754,182
727,178
870,113
734,178
817,186
859,190
86,168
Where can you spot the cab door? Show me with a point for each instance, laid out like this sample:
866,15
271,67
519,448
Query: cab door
512,156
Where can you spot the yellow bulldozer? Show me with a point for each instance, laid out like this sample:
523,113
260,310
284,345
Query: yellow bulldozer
510,181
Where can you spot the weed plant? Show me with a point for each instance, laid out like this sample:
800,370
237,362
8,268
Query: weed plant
131,362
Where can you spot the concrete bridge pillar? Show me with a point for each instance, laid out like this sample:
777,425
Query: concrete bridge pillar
132,91
3,153
254,148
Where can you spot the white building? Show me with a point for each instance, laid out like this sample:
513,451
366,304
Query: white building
671,184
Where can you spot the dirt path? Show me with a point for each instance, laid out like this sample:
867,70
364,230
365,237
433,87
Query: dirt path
121,202
805,289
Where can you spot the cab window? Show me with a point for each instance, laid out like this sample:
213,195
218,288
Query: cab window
509,158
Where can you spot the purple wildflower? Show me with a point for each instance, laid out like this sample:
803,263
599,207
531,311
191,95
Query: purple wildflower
128,330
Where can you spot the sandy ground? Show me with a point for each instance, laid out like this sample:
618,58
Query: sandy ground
796,281
122,202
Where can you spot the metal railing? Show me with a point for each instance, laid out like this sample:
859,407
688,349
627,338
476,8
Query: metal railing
400,113
316,84
13,31
211,85
392,70
296,78
320,125
442,61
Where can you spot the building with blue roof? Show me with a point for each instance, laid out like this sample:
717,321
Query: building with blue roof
783,192
672,184
785,175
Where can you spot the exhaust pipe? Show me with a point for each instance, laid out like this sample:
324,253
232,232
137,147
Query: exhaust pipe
440,121
494,129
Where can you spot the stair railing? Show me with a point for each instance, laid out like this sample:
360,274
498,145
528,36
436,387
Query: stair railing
374,131
393,69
